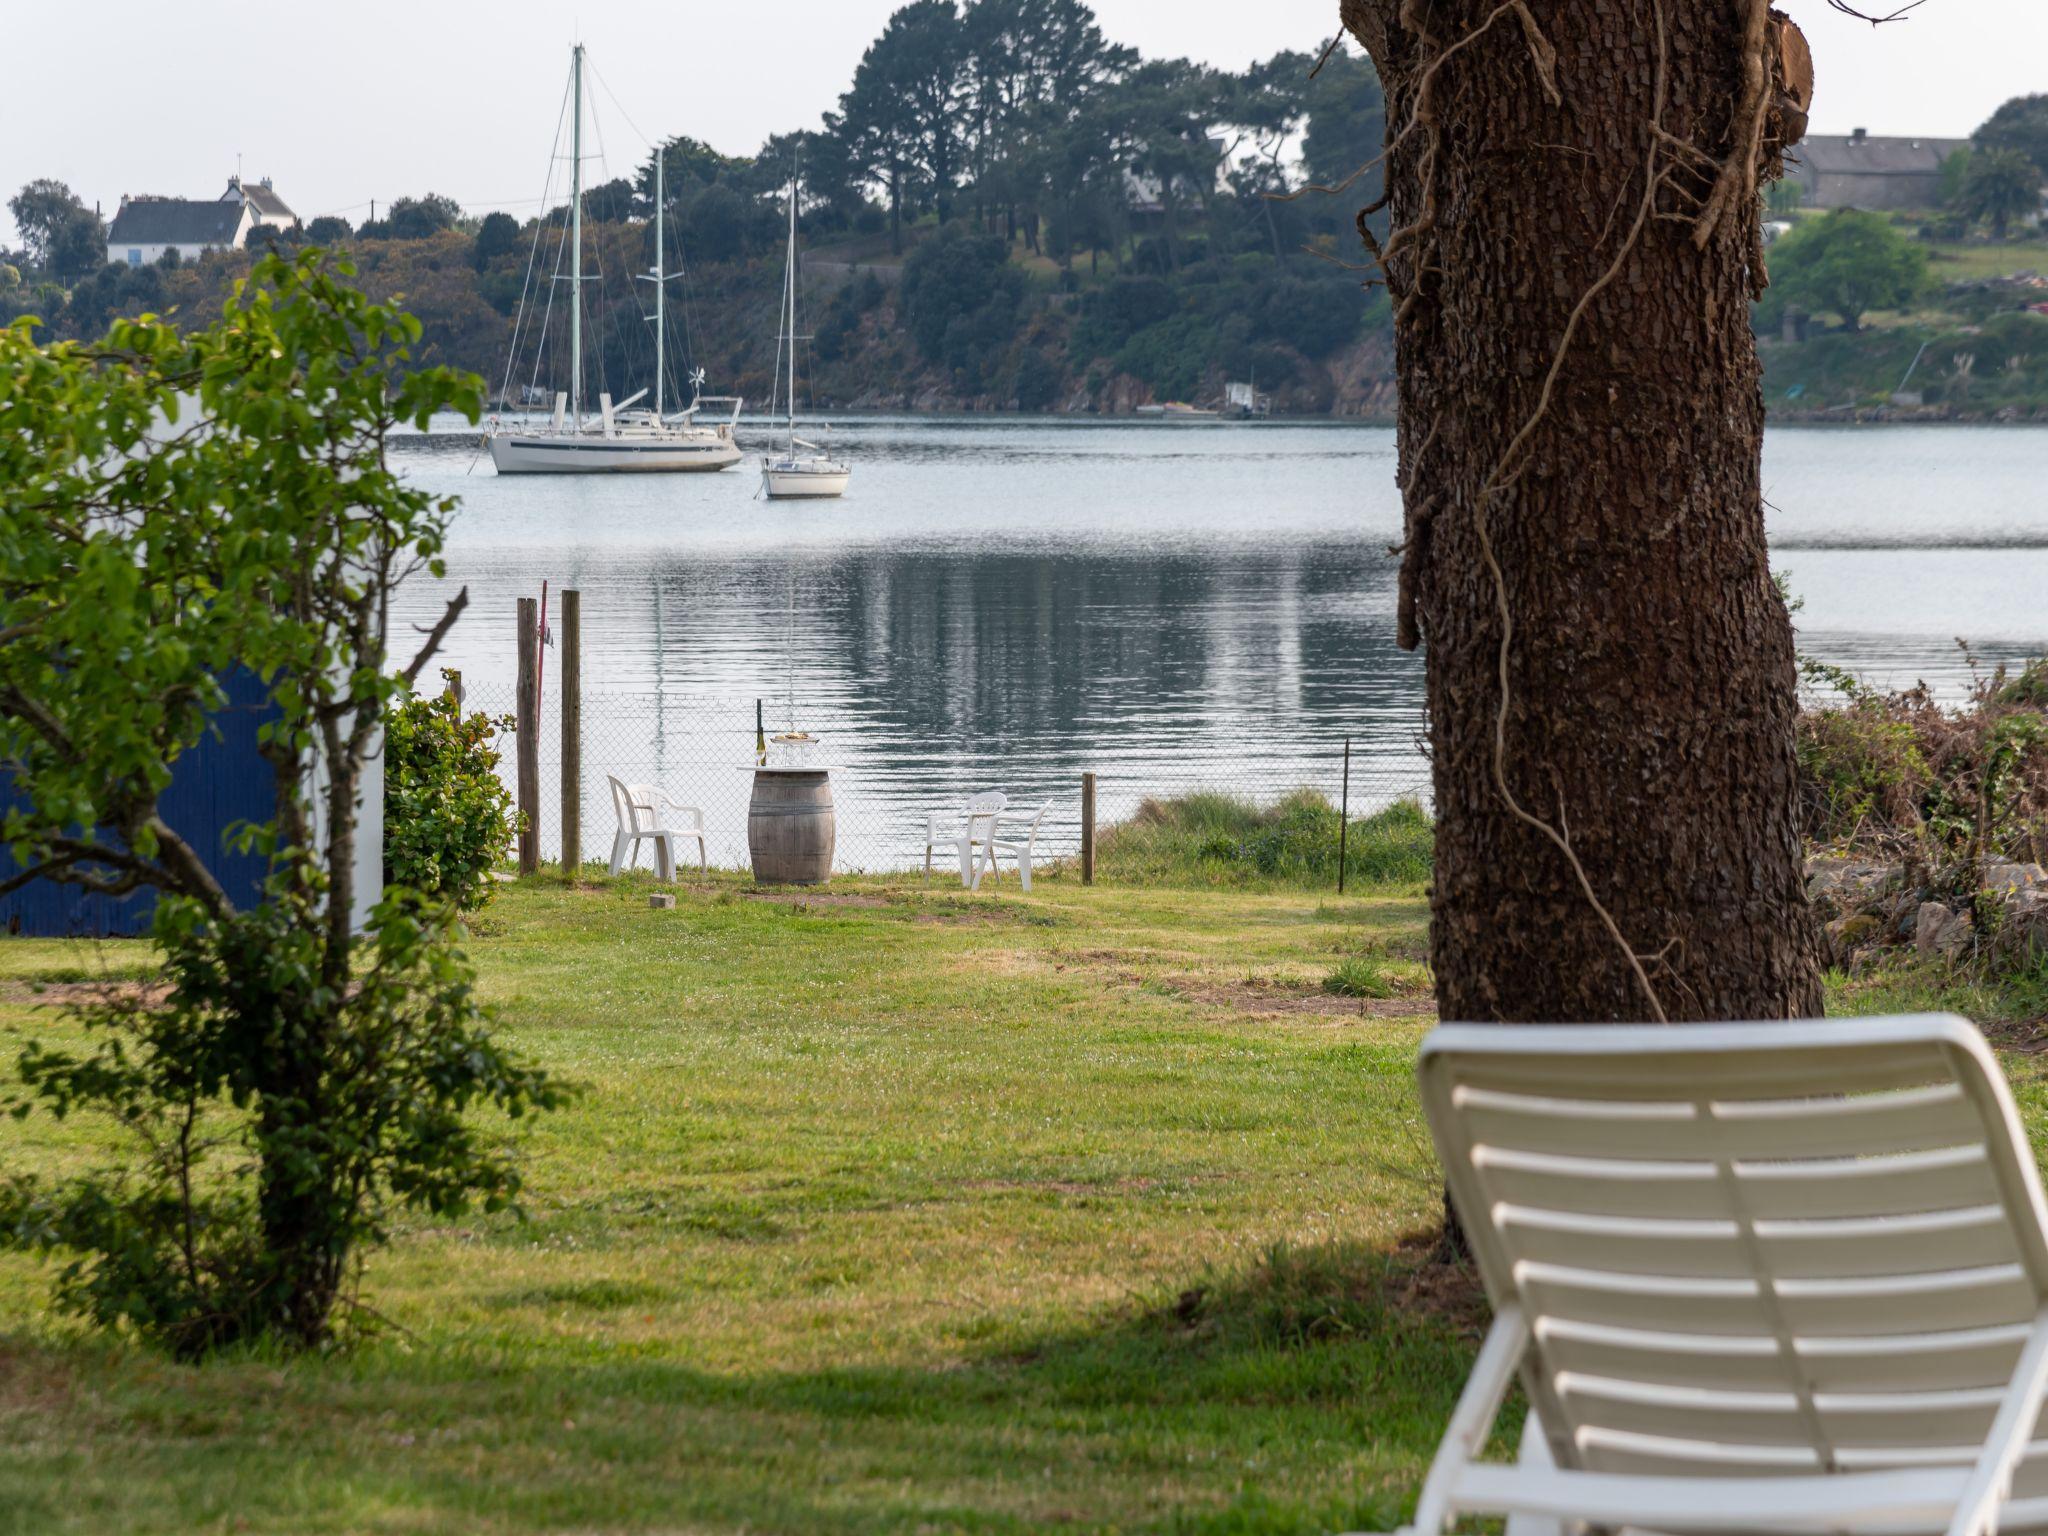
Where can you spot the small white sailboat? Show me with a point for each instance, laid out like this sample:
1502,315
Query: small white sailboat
801,468
618,438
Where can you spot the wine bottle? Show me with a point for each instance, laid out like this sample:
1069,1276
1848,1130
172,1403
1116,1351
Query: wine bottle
760,738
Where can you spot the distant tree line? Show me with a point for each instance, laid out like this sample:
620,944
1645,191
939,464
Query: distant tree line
1057,209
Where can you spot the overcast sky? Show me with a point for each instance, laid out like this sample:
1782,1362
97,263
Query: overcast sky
377,99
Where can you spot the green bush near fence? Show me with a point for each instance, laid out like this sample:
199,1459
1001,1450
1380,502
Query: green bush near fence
1218,839
448,817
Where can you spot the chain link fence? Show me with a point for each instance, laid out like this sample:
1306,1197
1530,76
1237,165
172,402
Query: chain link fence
700,750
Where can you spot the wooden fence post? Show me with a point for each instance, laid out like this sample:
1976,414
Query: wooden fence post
528,718
1087,829
572,732
1344,817
455,688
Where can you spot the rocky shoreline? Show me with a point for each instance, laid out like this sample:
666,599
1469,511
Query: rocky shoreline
1872,911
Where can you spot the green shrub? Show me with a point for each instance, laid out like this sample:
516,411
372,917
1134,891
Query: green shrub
1900,773
192,1244
447,816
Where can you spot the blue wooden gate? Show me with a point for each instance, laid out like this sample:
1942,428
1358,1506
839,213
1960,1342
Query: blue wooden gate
221,781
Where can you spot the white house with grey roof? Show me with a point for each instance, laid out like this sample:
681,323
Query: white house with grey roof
145,227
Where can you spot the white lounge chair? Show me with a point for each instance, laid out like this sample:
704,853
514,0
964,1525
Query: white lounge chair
1017,840
1786,1277
639,808
964,831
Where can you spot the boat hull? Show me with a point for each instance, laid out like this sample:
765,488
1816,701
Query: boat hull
519,453
795,484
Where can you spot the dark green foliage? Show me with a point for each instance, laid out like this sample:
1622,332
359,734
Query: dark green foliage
115,289
1346,130
2020,124
190,1247
843,316
330,229
80,247
448,819
716,218
1120,308
959,300
1999,187
1315,315
1235,316
268,237
421,218
900,120
1038,381
497,235
1172,356
610,203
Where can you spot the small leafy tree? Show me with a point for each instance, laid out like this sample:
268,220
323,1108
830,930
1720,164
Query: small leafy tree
178,506
448,817
1999,186
1850,262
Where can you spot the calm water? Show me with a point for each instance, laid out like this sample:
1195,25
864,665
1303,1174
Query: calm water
1006,602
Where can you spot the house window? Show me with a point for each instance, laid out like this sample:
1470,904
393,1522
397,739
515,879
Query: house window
134,256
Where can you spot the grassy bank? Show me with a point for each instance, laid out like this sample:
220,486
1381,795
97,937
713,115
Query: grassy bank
892,1209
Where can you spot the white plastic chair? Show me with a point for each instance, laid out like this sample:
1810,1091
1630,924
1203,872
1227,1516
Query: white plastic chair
639,807
1017,843
1787,1277
964,830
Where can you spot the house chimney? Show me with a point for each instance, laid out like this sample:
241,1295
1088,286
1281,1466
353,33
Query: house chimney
1858,135
266,184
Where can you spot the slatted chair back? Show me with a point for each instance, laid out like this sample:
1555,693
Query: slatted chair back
641,800
979,814
1743,1250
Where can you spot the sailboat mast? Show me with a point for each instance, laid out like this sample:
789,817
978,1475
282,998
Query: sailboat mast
576,241
660,282
790,278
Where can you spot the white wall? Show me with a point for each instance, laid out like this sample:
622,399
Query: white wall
117,251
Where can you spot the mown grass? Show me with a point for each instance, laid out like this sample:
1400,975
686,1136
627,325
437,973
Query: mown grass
888,1208
895,1208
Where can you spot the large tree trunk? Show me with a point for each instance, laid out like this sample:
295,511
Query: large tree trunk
1581,432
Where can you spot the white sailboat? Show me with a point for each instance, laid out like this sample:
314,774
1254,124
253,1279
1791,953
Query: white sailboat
618,438
801,468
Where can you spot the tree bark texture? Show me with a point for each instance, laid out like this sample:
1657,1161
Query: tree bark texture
1574,241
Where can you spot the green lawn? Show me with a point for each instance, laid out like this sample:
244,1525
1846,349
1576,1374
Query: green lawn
900,1209
891,1209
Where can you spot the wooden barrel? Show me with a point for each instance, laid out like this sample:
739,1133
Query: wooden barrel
790,827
